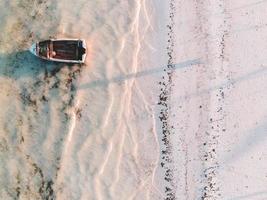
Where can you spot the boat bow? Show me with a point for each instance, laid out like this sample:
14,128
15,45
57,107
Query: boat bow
33,49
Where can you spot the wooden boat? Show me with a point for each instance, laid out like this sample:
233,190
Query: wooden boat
61,50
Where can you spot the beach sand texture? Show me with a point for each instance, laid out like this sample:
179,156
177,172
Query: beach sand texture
170,104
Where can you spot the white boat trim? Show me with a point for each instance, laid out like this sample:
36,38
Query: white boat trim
65,61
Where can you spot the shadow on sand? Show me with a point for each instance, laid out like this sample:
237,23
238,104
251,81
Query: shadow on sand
24,64
125,77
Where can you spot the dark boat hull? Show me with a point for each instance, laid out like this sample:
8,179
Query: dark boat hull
61,50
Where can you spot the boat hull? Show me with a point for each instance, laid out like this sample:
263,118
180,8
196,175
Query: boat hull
60,50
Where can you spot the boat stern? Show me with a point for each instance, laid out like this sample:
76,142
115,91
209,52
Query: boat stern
33,49
84,55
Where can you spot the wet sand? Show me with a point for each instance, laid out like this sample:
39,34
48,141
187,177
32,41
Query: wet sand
62,136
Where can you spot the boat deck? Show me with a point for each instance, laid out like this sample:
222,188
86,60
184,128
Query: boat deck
67,50
61,50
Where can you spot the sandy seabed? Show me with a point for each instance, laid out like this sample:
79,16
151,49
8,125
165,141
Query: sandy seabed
170,104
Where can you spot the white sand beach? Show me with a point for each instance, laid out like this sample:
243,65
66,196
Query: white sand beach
170,104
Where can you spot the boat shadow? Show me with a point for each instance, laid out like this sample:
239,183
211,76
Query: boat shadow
21,64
